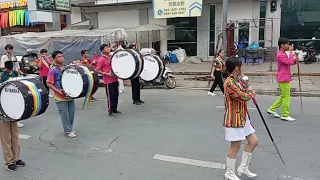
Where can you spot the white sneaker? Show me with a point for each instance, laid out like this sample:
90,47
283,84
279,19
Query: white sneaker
20,125
211,94
50,96
71,134
275,114
121,91
287,118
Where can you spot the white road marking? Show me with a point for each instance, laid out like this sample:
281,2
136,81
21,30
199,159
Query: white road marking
222,107
191,162
22,136
293,178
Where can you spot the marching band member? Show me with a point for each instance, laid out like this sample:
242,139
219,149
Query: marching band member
135,84
9,134
44,63
284,78
216,73
110,81
85,61
85,57
237,125
65,105
10,57
94,59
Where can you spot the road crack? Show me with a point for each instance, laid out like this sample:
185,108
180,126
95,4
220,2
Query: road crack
114,140
47,141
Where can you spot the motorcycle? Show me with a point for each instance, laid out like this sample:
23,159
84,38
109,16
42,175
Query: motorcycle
309,52
166,79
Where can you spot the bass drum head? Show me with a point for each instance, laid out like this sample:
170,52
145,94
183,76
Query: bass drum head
125,64
12,101
153,68
72,81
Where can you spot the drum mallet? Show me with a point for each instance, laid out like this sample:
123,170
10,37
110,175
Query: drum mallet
245,78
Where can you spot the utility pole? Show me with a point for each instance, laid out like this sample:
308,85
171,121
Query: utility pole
224,24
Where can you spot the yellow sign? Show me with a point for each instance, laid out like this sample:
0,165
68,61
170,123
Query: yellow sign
176,8
14,4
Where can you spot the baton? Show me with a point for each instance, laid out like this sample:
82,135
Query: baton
265,124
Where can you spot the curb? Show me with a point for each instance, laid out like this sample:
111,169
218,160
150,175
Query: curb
248,73
263,92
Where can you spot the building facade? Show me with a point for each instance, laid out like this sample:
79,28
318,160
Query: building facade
199,36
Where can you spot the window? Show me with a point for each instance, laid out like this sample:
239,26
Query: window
212,30
185,34
263,9
300,20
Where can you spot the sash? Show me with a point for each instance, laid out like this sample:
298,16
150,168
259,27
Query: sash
36,97
90,86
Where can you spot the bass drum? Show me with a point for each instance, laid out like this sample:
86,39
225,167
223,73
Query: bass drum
153,68
127,63
78,80
23,99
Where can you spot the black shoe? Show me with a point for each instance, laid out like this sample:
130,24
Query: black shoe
142,102
20,163
11,167
117,112
112,114
136,102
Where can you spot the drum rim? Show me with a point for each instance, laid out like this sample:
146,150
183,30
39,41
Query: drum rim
73,66
1,109
161,66
139,64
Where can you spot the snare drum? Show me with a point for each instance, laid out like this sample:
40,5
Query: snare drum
153,67
22,99
77,80
127,63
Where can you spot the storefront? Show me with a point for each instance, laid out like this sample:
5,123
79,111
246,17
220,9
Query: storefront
295,19
15,16
300,21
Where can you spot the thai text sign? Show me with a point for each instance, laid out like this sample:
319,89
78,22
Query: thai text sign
176,8
6,4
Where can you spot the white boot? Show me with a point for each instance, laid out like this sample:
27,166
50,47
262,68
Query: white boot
244,166
231,174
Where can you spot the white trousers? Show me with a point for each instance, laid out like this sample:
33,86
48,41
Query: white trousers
121,86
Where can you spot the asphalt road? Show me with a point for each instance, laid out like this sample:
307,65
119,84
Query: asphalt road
176,123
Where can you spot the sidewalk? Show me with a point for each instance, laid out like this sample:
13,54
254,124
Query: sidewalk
250,70
310,86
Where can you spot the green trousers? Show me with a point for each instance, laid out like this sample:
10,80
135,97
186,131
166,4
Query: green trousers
283,100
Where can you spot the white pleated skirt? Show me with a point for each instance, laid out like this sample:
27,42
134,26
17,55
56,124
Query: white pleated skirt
239,134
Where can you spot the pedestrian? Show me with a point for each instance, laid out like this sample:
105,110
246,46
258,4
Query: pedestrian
9,134
216,73
10,57
65,105
110,80
284,78
85,61
44,63
135,84
237,124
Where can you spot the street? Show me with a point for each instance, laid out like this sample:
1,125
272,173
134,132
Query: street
147,142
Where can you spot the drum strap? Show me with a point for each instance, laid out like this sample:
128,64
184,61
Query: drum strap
36,97
90,86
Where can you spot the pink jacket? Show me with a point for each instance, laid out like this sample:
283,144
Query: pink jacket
284,62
